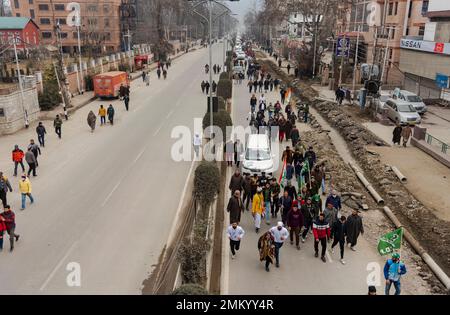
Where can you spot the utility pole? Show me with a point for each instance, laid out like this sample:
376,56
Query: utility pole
343,52
79,59
128,36
25,113
210,69
315,48
356,59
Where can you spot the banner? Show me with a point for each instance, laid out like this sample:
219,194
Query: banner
390,242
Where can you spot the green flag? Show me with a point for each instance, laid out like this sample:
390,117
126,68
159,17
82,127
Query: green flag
390,242
305,166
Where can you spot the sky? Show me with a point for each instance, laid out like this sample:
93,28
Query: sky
242,7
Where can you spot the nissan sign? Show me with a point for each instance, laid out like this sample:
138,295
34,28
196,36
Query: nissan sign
425,46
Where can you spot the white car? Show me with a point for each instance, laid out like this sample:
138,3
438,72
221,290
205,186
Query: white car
413,99
384,96
258,156
402,112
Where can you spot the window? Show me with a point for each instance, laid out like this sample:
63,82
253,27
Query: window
18,14
59,7
421,30
107,36
63,35
32,13
391,53
396,8
61,21
92,21
391,8
106,8
46,34
45,21
30,1
425,6
92,8
16,4
106,22
43,7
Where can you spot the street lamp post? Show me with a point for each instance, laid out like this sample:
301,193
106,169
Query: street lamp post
20,83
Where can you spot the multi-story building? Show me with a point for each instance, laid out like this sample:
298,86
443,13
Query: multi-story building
381,24
23,29
431,48
100,22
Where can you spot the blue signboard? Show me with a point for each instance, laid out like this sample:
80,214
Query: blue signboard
343,47
442,80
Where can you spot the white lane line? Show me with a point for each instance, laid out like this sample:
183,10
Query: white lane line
180,204
157,131
169,114
327,253
111,193
139,155
52,274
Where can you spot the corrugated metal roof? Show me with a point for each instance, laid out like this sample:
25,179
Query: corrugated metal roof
13,23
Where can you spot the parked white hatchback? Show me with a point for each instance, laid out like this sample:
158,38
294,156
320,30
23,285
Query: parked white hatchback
402,112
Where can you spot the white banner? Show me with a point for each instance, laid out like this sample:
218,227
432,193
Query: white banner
420,45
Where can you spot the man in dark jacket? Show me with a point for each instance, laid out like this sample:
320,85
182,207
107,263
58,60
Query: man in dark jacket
57,123
288,155
236,182
247,190
286,205
235,207
291,190
310,213
111,113
31,161
275,190
321,231
335,200
9,218
35,149
295,222
338,234
40,130
354,228
310,155
295,136
4,187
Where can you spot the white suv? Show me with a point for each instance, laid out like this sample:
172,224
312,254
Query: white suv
257,157
413,99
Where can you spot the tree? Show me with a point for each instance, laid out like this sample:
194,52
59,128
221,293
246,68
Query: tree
50,97
190,289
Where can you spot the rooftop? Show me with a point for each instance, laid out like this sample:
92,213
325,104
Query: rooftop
13,23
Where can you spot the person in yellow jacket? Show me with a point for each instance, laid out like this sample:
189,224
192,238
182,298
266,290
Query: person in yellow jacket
258,208
25,190
102,114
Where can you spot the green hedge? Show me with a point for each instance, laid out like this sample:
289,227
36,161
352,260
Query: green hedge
190,289
221,119
225,89
222,104
224,76
206,182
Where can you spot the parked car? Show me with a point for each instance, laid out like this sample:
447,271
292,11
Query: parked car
402,112
257,157
238,69
384,96
413,99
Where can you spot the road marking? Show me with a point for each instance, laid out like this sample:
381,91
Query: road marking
180,204
328,256
52,274
157,131
169,114
111,193
139,155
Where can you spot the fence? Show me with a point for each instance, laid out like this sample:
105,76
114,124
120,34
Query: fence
442,146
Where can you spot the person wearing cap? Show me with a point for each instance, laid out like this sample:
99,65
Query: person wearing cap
310,213
338,233
235,234
321,231
354,228
25,190
9,219
17,157
393,270
235,207
258,208
279,234
197,142
295,223
335,200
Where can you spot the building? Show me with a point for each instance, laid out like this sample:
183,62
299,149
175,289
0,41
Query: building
380,33
430,47
100,23
23,29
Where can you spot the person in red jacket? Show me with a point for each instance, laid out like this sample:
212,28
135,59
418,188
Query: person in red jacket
321,231
2,231
295,223
9,219
17,157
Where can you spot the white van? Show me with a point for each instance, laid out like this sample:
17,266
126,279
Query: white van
257,157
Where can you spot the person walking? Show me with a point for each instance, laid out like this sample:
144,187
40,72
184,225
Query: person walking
214,87
17,157
158,73
126,100
2,231
279,234
111,112
354,228
4,187
321,231
305,113
35,149
258,208
397,134
207,86
91,120
310,214
229,152
57,123
288,68
253,102
267,195
275,194
202,86
236,181
9,219
250,86
102,114
197,142
295,135
147,79
406,134
295,223
338,234
235,207
235,234
31,161
41,132
266,247
25,190
393,270
238,150
331,214
279,62
247,190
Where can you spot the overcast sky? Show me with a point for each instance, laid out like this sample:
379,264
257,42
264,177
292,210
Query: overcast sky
242,7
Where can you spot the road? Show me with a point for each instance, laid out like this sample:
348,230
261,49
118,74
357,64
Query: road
300,272
106,200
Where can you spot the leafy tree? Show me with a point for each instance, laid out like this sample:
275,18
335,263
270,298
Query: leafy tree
51,96
190,289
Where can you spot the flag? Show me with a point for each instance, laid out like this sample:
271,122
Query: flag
305,167
282,178
390,242
288,95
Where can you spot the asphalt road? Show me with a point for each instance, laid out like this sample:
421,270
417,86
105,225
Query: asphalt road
107,200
